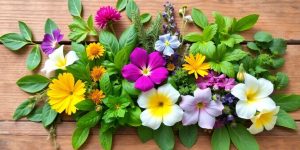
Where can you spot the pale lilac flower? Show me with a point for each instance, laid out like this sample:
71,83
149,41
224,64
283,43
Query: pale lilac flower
200,108
166,44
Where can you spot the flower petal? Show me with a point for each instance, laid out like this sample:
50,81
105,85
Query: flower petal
190,117
270,125
169,91
159,75
139,57
245,110
206,121
174,42
131,72
144,83
239,91
57,36
254,129
265,104
49,67
265,88
202,95
149,120
174,116
188,103
156,60
214,108
144,98
165,37
159,46
58,54
168,51
71,57
251,82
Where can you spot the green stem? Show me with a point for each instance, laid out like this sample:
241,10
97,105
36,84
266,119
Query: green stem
111,27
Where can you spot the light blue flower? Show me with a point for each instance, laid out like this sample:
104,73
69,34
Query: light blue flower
167,44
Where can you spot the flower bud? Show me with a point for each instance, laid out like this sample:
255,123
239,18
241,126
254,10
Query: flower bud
98,108
188,18
241,73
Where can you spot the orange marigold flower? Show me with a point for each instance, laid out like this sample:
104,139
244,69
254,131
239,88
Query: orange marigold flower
170,66
94,50
97,96
97,73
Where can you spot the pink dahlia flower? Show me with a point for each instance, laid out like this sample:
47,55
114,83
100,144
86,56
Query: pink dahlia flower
200,108
106,15
145,70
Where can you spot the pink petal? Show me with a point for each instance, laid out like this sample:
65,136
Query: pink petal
202,95
214,108
144,83
188,103
205,120
159,75
131,72
139,57
190,118
156,60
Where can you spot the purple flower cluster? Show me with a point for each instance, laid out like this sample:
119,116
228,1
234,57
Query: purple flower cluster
168,15
216,81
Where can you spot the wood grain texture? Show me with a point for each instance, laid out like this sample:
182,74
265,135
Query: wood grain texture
277,17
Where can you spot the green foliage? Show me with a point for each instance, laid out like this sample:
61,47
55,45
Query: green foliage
199,18
184,83
75,7
131,9
33,83
24,109
129,88
79,136
133,117
34,58
105,138
220,139
164,137
263,37
105,84
145,133
86,105
25,31
278,46
288,103
50,26
36,115
282,80
48,115
188,135
245,23
121,4
285,120
109,41
193,37
128,38
116,108
79,49
80,70
145,17
13,41
81,29
89,120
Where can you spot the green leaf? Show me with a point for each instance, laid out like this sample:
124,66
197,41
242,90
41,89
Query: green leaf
209,32
80,70
235,55
288,103
25,31
34,58
145,133
48,115
75,7
129,88
220,139
215,66
188,135
80,29
80,51
105,138
89,120
252,46
246,22
13,41
263,36
105,84
241,138
278,62
50,26
220,21
109,41
36,115
145,17
237,38
79,136
164,137
206,48
278,46
86,105
134,117
24,109
128,38
122,57
33,83
282,80
285,120
131,8
227,68
229,42
121,4
199,18
193,37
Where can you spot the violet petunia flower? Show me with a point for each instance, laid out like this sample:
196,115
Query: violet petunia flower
105,15
200,108
145,70
166,44
50,41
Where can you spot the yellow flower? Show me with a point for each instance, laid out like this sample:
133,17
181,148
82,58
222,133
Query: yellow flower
97,96
97,73
64,93
171,67
94,50
195,65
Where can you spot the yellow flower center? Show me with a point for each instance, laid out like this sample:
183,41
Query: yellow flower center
200,105
167,43
159,105
146,71
61,63
251,95
170,66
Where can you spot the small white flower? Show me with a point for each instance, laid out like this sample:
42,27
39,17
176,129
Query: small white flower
188,18
166,44
57,60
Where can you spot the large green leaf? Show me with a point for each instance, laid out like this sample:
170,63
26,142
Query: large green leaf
235,55
105,84
33,83
105,138
199,18
86,105
193,37
206,48
188,135
285,120
129,88
122,57
128,38
164,137
36,115
263,36
13,41
50,25
75,7
227,68
25,31
287,103
80,70
209,32
134,117
48,115
246,22
220,139
34,58
145,133
121,4
131,8
24,109
109,41
79,136
89,120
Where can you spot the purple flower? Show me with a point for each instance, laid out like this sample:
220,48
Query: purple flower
167,43
200,108
50,41
216,81
145,70
106,15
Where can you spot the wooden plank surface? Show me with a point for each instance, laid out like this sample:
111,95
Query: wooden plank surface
278,17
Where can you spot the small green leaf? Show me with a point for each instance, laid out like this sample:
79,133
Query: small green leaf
86,105
220,21
237,38
235,55
33,83
50,26
193,37
89,120
109,41
206,48
220,139
246,22
227,68
285,120
145,17
288,103
252,46
75,7
80,70
36,115
188,135
121,57
80,51
241,138
209,32
13,41
134,117
278,62
128,38
145,133
278,46
282,80
263,36
24,109
121,4
105,84
48,115
199,18
129,88
131,8
164,137
34,58
105,138
79,136
25,31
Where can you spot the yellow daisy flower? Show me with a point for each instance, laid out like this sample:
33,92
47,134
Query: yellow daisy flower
97,73
195,65
97,96
64,93
94,50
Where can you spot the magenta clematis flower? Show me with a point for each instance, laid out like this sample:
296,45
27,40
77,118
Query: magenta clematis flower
50,41
145,70
200,108
105,15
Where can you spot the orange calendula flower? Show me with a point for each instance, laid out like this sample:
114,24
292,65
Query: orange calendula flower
97,73
94,50
196,65
170,66
97,96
